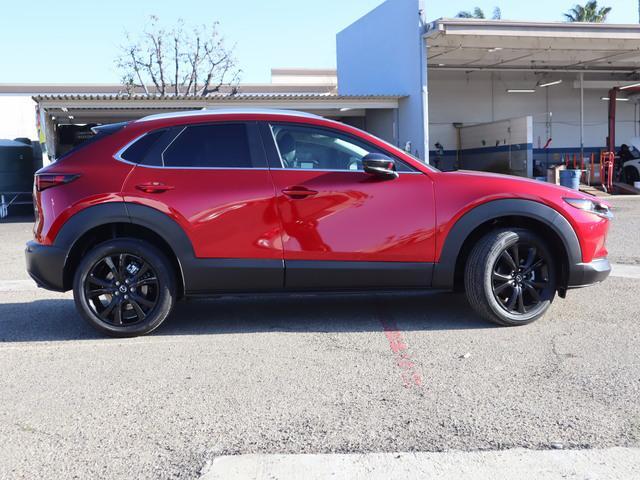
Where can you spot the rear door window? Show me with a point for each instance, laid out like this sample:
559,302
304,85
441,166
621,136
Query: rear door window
210,146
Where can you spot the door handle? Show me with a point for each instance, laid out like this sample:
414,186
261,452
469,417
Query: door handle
298,192
154,187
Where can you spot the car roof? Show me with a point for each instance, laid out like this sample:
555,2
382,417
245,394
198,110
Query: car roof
227,111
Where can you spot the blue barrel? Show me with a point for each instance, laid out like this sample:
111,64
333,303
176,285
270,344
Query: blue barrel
570,178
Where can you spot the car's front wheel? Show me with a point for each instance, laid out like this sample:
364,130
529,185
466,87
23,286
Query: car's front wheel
510,277
124,287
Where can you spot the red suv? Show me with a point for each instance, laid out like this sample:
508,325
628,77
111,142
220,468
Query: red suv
211,202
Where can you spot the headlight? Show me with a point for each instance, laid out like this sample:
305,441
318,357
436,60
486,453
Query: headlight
587,205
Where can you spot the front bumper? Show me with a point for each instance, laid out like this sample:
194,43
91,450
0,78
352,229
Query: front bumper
45,264
585,274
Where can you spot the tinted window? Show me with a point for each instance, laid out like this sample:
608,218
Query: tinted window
207,146
137,151
313,148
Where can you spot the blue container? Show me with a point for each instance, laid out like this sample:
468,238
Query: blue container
541,179
570,178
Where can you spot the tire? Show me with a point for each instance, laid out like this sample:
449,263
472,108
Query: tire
504,295
128,295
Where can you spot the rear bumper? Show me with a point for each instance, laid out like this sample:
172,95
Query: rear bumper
45,264
585,274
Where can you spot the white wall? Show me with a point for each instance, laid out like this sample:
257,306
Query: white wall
382,123
17,117
515,131
478,97
380,55
503,146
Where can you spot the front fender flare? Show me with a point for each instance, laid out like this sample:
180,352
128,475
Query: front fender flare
445,268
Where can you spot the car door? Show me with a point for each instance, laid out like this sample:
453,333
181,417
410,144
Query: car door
342,227
212,179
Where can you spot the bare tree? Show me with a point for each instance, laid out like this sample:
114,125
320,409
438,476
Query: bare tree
180,61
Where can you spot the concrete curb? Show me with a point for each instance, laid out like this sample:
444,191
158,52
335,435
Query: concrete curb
611,464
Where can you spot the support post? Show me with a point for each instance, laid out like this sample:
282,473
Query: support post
581,75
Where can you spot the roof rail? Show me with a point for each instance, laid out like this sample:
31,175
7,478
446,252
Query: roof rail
227,111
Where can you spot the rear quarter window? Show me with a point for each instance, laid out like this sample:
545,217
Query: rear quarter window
137,151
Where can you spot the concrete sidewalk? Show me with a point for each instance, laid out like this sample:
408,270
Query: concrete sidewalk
610,464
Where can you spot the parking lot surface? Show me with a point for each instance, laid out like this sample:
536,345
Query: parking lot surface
311,374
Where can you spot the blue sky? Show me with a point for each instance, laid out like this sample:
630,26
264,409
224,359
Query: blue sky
77,41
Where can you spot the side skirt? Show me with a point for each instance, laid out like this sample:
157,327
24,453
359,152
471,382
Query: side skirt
212,276
217,275
332,275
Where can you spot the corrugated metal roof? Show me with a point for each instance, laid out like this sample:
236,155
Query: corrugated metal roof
217,97
501,45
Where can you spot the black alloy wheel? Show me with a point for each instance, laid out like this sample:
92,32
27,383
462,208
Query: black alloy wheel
125,287
122,289
520,277
510,276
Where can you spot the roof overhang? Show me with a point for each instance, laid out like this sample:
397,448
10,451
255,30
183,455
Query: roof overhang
101,108
500,45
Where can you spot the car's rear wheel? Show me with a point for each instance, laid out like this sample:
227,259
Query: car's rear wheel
510,277
124,287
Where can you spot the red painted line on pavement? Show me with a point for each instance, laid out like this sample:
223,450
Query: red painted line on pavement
409,371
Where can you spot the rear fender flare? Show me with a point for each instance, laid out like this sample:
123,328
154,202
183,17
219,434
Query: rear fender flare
121,212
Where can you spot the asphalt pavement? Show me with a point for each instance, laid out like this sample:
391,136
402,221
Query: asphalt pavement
311,375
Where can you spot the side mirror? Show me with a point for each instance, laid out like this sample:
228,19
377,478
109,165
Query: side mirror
379,165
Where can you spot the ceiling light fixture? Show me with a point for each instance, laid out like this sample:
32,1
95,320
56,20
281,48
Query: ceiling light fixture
617,99
548,84
633,85
494,49
521,90
65,109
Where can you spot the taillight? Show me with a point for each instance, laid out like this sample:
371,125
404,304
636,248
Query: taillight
46,180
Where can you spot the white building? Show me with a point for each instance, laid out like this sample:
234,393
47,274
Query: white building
485,88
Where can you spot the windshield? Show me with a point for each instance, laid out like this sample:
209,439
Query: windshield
634,147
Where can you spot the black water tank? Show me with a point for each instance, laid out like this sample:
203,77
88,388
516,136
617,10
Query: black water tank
16,166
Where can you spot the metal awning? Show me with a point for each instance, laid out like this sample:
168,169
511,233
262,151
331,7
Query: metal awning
88,108
500,45
79,109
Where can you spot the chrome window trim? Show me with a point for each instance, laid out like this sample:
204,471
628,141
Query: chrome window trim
118,156
201,168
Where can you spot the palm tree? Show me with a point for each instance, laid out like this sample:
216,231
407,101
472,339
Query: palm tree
478,13
589,13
